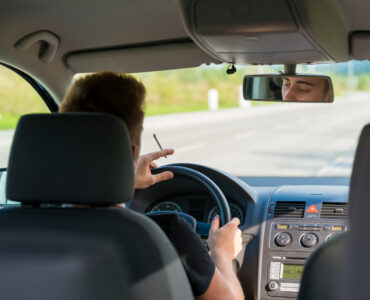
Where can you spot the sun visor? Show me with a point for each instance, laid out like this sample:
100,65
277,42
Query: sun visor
267,32
139,58
360,45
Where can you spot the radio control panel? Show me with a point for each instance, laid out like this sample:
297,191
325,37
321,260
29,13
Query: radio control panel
284,276
302,236
288,245
298,219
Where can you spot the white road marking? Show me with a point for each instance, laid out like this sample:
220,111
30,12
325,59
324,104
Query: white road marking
190,147
243,135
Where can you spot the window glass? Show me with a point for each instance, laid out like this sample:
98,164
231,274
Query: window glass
17,97
200,112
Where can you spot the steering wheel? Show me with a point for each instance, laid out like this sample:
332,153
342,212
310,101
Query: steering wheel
213,190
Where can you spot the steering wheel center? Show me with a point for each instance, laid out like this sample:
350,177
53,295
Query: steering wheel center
213,190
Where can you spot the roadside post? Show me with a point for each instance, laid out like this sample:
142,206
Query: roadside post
212,99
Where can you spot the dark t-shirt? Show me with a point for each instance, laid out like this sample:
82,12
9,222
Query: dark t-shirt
192,251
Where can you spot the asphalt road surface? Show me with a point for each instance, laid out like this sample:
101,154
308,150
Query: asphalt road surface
283,139
287,139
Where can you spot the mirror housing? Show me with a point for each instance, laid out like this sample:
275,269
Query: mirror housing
288,88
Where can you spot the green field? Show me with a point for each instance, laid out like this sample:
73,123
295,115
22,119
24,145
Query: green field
173,91
187,89
17,97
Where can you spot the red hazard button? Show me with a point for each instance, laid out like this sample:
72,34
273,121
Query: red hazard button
312,209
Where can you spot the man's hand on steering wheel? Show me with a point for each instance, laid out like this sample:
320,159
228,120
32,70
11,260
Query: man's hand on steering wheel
225,241
143,175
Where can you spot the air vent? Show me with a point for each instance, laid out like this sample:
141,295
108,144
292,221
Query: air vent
331,210
289,209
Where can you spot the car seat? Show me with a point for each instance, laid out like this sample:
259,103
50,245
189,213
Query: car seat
67,239
339,269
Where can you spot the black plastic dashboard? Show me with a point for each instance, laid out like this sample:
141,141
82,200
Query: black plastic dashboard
199,206
267,256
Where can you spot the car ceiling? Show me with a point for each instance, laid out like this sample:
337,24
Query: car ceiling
129,35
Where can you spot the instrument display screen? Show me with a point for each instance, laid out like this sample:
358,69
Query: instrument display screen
292,271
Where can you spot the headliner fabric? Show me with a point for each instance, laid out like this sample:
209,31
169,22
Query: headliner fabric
76,158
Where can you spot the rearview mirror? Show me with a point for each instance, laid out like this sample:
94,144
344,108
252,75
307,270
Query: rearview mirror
292,88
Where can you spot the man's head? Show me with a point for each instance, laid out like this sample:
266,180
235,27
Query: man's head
118,94
306,88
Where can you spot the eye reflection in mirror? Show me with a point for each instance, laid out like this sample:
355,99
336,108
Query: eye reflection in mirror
288,88
306,89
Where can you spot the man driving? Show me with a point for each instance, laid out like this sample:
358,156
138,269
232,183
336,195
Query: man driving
306,88
211,275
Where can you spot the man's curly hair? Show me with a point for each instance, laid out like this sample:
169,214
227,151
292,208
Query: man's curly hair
121,95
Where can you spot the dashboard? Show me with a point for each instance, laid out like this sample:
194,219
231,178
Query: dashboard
201,207
281,223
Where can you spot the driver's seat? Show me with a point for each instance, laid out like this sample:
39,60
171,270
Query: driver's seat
66,241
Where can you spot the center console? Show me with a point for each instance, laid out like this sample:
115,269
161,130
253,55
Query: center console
296,224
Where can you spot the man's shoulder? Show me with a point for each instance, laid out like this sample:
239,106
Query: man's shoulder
172,221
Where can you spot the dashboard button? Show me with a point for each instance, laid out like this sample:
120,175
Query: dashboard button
338,228
310,227
281,226
312,209
327,227
275,270
293,226
283,239
273,286
309,240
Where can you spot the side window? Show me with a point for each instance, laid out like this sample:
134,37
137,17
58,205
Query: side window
17,97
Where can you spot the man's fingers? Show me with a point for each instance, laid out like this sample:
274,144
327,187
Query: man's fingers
215,224
153,165
162,176
235,221
159,154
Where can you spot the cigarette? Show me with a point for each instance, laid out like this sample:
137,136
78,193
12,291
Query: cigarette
158,143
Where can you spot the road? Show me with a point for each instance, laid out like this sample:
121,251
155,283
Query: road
284,139
288,139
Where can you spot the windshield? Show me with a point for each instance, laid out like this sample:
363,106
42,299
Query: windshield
199,112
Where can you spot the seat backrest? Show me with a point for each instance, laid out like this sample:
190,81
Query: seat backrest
323,272
357,259
338,270
89,251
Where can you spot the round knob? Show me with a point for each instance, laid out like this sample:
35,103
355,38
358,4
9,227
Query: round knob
273,286
283,239
309,240
332,236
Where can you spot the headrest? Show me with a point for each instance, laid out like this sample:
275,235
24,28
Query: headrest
357,262
76,158
360,179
